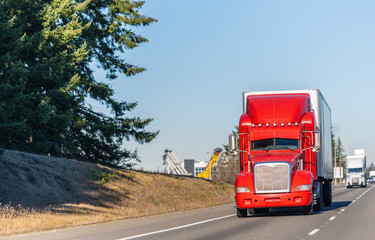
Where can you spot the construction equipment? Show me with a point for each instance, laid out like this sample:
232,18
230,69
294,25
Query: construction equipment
174,165
216,155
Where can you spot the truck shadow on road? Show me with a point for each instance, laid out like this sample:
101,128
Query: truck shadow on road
297,211
336,206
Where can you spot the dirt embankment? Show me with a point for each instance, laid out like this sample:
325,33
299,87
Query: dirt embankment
59,192
38,181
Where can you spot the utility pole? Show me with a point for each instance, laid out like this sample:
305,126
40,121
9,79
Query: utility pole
340,167
335,164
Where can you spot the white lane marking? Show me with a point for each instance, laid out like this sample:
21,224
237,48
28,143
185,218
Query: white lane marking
175,228
313,231
342,210
361,195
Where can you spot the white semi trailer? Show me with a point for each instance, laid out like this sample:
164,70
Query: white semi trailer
356,169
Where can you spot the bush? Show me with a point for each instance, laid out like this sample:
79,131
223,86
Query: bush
104,177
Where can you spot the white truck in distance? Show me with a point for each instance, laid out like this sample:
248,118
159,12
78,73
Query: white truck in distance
371,176
356,169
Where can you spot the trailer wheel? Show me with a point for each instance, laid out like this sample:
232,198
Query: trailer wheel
241,212
261,210
319,201
327,190
308,210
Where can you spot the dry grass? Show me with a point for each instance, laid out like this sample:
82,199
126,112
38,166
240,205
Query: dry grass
116,194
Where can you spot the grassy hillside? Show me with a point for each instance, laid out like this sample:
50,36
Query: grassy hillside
40,193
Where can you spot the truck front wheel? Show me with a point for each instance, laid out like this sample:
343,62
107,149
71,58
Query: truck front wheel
241,212
319,201
308,210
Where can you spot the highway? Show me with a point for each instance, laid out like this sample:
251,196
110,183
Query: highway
351,216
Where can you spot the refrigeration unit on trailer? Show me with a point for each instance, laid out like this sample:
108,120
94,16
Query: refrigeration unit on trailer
285,152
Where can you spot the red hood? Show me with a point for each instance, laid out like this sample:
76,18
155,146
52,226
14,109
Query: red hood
274,156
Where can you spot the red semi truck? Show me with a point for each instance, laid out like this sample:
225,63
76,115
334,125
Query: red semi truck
285,150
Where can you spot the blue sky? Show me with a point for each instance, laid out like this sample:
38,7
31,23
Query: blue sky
203,54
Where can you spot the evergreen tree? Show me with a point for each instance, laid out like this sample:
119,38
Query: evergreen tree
340,154
45,77
337,151
333,142
371,167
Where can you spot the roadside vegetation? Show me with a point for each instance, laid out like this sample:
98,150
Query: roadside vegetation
48,87
60,192
50,50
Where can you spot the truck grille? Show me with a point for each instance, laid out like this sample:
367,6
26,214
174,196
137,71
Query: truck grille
355,181
272,177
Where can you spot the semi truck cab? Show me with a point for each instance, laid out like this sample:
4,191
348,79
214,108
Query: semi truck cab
356,169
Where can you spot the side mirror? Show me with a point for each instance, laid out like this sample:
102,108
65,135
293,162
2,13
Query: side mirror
232,143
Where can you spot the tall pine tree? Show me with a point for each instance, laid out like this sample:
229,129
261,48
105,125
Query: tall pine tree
46,78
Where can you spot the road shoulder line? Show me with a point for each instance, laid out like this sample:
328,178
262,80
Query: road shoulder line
175,228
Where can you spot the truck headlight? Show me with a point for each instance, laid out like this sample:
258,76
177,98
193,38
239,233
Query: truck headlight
306,187
242,189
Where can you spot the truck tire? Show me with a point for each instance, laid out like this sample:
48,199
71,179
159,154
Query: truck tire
241,213
261,210
308,210
327,193
319,201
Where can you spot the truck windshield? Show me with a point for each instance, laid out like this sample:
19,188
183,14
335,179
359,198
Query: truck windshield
354,170
274,144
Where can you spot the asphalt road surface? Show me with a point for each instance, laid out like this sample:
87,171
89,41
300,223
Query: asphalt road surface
351,216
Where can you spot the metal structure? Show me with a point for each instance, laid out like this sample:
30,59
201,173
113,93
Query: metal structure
173,164
216,156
